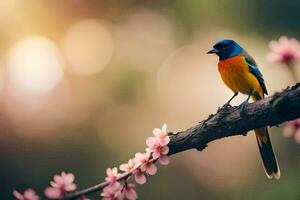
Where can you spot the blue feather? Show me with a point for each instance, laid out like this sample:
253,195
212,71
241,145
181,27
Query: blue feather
255,71
227,49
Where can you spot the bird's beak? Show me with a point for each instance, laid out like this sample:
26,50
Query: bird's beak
213,51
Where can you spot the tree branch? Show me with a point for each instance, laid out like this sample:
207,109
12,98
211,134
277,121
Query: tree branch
282,106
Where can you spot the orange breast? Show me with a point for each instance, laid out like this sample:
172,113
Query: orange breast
236,75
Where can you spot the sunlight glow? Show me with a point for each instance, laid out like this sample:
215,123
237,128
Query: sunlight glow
35,65
88,47
144,39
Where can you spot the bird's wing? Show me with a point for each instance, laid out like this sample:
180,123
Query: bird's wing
255,71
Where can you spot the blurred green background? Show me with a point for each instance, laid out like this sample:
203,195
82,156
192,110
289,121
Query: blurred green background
84,82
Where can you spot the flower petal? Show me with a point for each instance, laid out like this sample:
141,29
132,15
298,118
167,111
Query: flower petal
130,193
18,195
163,141
156,131
297,136
285,50
164,160
70,187
164,128
30,194
272,57
58,180
124,167
151,169
115,171
55,185
53,193
151,142
164,150
288,130
140,177
116,186
155,154
69,178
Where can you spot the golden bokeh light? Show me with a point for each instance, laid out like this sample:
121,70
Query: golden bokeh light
88,47
144,38
35,65
7,8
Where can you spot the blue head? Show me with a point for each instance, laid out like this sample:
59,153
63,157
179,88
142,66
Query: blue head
226,49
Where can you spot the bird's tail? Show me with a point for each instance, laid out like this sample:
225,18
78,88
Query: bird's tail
268,157
267,154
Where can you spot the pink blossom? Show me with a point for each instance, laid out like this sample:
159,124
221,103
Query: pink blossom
129,191
53,193
292,128
61,184
143,160
112,175
285,51
157,150
162,135
29,194
127,167
149,168
113,192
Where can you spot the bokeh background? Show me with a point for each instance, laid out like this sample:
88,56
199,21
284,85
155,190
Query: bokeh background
84,82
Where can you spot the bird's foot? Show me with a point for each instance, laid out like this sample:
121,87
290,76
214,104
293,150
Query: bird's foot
225,106
243,108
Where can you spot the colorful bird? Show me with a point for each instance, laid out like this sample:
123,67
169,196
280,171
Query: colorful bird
240,73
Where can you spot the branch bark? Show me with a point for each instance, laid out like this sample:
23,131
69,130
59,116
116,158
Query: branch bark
282,106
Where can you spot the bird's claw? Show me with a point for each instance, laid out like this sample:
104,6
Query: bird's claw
225,106
243,108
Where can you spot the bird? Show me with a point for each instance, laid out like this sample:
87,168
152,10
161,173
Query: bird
241,74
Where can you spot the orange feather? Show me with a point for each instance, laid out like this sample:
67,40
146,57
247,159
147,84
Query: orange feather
236,75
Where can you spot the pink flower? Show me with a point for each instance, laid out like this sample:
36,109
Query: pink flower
162,135
129,192
157,150
149,168
113,192
53,193
139,176
285,51
143,160
61,184
127,167
29,194
292,128
112,175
